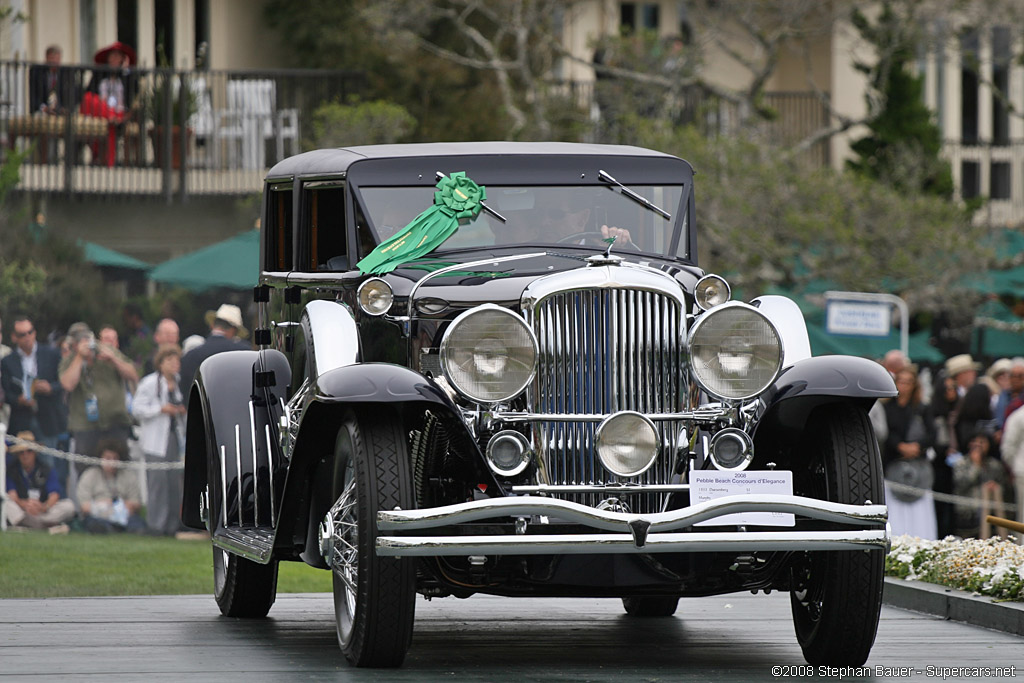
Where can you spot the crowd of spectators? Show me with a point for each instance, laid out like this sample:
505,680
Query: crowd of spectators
81,394
952,445
950,460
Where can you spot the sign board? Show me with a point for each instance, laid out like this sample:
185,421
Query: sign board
707,485
859,318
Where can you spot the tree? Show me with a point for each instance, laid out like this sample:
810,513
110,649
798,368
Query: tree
903,147
767,222
339,34
371,123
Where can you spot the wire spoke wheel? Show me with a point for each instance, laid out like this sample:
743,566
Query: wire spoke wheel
374,596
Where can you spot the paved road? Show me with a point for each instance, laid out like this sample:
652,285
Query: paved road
735,637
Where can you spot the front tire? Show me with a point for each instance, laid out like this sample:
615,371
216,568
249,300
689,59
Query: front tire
241,587
837,595
374,597
650,605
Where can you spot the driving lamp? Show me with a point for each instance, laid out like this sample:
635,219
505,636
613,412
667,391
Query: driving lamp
627,443
735,351
731,450
489,354
711,291
508,453
375,297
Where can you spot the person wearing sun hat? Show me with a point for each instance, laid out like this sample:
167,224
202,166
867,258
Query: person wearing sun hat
964,372
226,333
111,95
35,498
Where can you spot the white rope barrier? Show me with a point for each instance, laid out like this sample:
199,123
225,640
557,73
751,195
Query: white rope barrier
89,460
949,497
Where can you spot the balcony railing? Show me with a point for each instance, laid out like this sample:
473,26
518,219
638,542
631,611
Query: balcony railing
87,130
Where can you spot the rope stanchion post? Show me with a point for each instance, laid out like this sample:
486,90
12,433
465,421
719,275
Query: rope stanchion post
3,476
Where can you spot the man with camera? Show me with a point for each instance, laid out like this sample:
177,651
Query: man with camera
94,375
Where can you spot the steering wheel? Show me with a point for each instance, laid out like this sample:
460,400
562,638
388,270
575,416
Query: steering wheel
595,238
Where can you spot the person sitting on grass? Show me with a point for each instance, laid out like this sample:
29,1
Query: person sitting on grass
35,498
109,495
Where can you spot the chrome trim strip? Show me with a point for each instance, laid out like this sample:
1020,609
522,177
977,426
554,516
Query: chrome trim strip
224,483
238,471
270,469
702,415
622,544
255,467
619,521
556,489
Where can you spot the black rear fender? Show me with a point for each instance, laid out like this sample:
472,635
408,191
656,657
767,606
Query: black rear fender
231,443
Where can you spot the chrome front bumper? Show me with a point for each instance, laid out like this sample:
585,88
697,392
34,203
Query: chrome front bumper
631,533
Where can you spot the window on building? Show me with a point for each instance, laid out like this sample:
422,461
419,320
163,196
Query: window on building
87,30
969,44
940,77
277,233
128,22
1002,58
999,180
970,179
202,31
639,16
163,30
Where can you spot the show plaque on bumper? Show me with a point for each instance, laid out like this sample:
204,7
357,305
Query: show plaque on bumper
625,533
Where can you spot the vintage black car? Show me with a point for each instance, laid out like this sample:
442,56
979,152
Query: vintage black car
552,400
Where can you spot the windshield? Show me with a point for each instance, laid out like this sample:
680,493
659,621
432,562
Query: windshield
565,216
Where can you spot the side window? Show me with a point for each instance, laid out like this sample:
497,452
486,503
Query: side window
323,241
364,234
278,229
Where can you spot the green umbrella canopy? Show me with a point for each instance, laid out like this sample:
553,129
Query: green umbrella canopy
108,258
233,264
823,344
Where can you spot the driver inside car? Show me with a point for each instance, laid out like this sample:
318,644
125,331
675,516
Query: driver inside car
560,216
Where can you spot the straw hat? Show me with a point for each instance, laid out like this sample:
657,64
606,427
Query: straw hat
999,367
961,363
230,314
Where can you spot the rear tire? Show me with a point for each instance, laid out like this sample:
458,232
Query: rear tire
837,595
374,597
650,605
241,587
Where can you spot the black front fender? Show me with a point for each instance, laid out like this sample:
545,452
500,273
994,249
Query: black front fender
814,382
362,387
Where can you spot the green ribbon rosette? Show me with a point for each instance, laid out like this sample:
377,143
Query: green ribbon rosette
457,198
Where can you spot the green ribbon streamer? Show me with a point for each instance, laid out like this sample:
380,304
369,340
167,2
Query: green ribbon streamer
457,198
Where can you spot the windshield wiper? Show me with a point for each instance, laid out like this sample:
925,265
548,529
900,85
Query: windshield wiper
605,176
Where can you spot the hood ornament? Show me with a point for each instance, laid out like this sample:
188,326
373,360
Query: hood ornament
606,258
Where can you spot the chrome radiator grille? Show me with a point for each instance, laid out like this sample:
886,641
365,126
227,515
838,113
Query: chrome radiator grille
602,351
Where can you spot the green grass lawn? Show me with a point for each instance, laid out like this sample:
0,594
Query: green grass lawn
37,565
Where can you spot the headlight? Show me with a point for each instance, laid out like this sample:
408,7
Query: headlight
489,354
735,351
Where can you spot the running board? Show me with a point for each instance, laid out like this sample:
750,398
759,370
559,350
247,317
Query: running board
252,543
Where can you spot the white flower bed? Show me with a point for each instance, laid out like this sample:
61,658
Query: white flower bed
993,567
